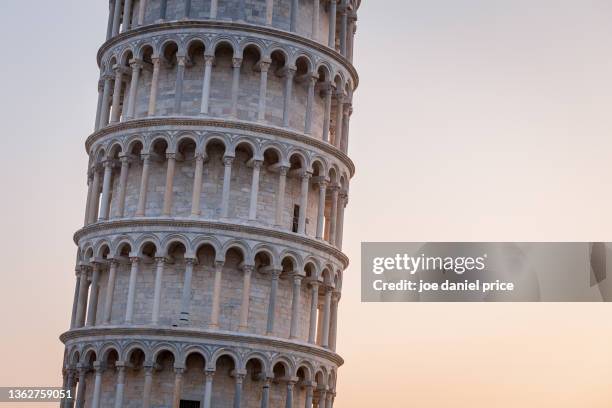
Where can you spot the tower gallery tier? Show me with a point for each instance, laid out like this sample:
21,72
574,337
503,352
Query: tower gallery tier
209,267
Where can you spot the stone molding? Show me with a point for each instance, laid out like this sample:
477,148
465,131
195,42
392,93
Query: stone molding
239,27
200,336
210,225
220,123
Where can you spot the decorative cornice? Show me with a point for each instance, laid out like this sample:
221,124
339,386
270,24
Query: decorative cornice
214,225
201,334
225,25
220,123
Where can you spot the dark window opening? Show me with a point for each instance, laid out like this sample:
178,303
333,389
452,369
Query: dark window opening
296,218
189,404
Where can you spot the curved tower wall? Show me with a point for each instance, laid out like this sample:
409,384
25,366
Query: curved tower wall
209,267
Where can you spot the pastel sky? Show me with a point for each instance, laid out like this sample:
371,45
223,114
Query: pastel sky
483,120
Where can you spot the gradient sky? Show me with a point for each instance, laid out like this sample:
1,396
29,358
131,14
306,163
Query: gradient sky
482,120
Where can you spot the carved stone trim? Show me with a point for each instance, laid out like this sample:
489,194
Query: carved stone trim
220,123
239,27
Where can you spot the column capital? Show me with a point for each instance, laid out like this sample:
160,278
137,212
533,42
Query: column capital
136,63
248,268
297,278
236,62
264,65
209,59
209,374
121,365
314,284
191,261
160,260
135,259
99,367
171,156
306,175
283,170
219,264
228,160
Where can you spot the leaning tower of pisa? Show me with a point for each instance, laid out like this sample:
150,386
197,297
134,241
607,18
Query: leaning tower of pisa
209,267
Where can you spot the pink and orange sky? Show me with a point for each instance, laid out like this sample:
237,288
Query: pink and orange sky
482,120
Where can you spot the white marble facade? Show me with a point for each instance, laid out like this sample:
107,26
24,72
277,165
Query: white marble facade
209,267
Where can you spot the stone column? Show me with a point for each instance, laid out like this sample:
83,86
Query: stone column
339,115
332,24
80,401
187,9
197,186
106,189
264,66
109,25
272,302
289,399
340,222
178,88
321,211
314,302
148,385
214,5
208,388
216,301
351,37
82,303
328,398
75,301
246,297
129,309
93,298
345,127
127,15
116,112
327,114
322,398
144,181
70,388
168,193
280,198
136,67
208,63
227,177
316,10
265,395
186,297
99,369
295,8
178,387
236,64
288,95
141,12
163,8
116,17
310,105
326,318
89,199
105,108
238,390
159,277
269,11
120,386
304,202
343,26
95,196
125,166
334,321
334,213
99,106
309,395
110,290
254,190
295,306
154,86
